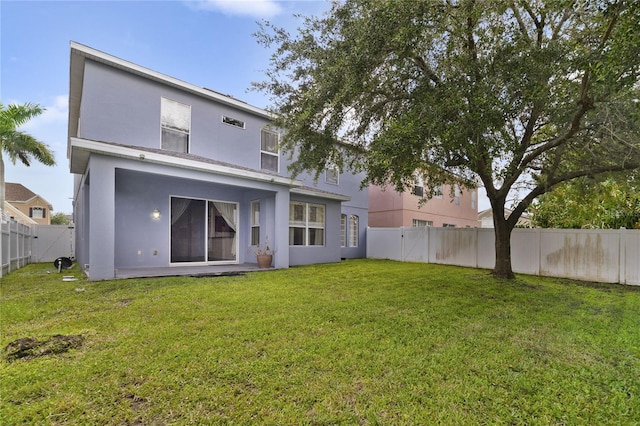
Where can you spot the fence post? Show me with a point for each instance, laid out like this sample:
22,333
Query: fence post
539,260
622,264
476,248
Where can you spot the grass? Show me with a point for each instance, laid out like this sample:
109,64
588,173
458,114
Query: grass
360,342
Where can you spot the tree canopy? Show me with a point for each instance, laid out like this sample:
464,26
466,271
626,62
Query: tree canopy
606,202
516,95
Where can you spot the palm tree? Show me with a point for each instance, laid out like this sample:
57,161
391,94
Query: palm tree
17,144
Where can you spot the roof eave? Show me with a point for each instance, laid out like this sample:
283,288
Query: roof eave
81,149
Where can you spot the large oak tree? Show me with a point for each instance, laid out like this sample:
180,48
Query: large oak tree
518,95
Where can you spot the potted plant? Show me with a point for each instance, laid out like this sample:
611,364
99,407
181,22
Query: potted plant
264,254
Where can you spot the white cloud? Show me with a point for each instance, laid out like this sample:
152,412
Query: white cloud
54,114
254,8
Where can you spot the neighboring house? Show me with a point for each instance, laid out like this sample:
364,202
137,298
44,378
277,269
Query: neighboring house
25,203
12,213
171,174
485,217
390,208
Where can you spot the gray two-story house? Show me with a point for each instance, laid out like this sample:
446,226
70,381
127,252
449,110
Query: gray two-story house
172,175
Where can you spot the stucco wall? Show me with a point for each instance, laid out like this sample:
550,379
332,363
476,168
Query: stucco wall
389,208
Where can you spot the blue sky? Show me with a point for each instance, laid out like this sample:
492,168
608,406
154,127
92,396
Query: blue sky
206,43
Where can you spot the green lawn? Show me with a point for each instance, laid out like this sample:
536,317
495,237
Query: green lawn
360,342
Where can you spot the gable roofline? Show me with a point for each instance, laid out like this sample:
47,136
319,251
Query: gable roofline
80,52
17,193
17,214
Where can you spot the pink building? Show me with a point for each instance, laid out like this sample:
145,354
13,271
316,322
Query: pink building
389,208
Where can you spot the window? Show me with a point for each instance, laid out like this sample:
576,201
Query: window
269,150
255,223
175,120
343,230
448,225
437,191
332,175
474,199
353,231
37,213
418,188
233,122
306,224
418,223
457,192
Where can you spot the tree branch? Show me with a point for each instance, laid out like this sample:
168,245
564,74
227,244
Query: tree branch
422,65
523,27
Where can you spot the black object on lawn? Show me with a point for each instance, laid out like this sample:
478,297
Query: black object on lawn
62,263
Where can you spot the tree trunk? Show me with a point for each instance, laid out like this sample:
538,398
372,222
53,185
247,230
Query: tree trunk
503,230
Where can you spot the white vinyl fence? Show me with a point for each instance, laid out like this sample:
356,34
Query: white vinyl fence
15,245
611,256
52,242
22,244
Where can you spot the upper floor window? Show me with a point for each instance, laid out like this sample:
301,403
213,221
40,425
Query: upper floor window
175,120
233,121
37,212
418,187
474,199
269,150
332,174
306,224
437,191
457,193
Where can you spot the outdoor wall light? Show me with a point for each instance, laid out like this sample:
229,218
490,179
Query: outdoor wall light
155,214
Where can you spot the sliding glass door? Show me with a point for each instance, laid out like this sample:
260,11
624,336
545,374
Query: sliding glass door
203,231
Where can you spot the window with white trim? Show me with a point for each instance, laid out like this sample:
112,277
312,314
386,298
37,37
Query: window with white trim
437,191
269,150
233,122
353,230
474,199
175,121
419,223
343,230
457,192
306,224
418,187
37,212
255,223
332,174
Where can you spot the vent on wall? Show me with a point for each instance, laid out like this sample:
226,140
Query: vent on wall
233,122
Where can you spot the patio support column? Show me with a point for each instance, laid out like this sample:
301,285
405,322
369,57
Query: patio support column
102,224
281,242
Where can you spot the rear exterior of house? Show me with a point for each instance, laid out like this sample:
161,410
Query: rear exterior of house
170,174
452,207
